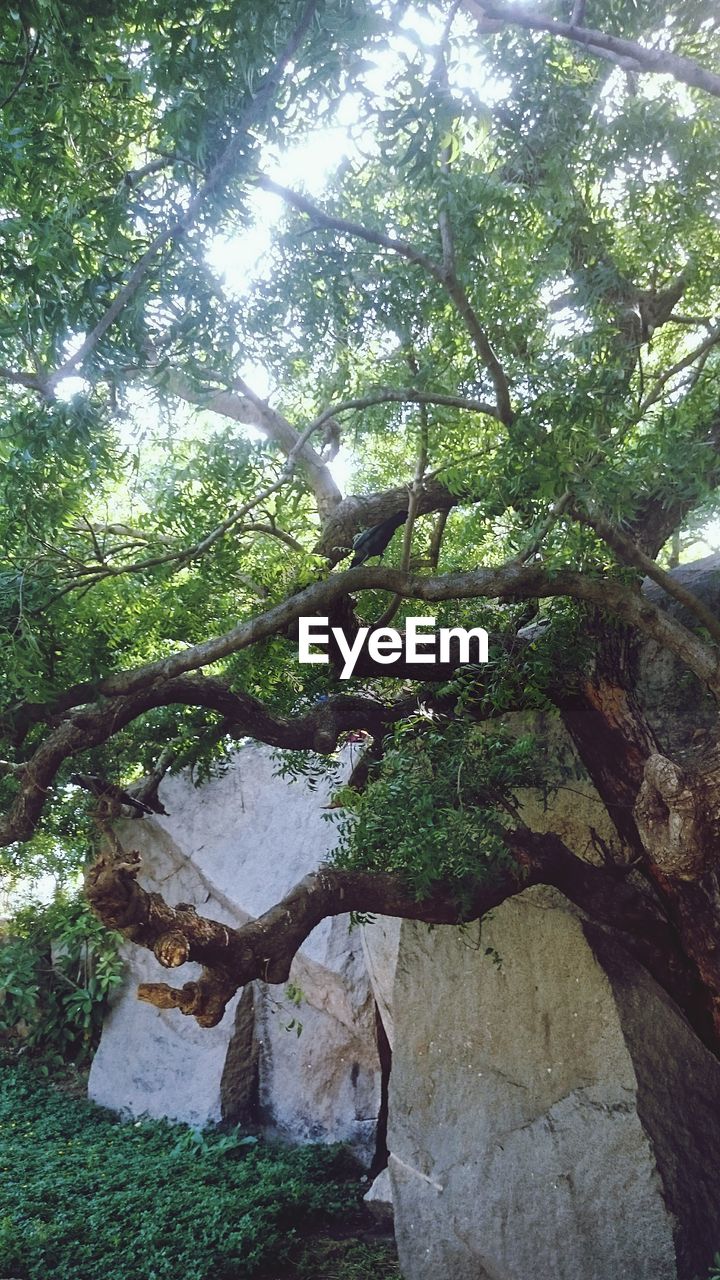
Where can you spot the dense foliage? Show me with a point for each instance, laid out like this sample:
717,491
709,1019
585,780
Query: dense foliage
84,1197
439,805
570,204
58,967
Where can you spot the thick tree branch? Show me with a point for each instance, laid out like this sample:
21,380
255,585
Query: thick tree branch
127,695
29,380
628,552
317,729
249,408
264,948
362,511
511,581
658,61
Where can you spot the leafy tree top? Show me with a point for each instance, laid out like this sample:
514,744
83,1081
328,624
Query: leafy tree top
502,306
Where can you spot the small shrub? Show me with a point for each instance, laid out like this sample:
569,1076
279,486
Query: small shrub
58,966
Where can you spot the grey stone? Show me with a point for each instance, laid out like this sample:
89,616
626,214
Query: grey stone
551,1112
551,1115
680,710
380,940
379,1199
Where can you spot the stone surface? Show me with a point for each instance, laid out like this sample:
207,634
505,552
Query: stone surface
551,1114
379,1198
232,848
571,807
381,939
679,708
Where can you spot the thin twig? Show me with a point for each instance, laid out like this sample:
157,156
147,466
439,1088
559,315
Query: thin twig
630,553
556,510
89,575
413,501
30,52
447,280
402,395
703,347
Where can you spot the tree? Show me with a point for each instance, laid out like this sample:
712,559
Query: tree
502,304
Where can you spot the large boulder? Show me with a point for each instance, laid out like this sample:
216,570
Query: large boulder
551,1112
232,848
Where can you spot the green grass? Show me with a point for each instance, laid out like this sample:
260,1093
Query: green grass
86,1197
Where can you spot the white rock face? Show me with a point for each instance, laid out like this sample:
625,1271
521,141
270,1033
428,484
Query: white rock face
381,941
232,848
550,1115
379,1198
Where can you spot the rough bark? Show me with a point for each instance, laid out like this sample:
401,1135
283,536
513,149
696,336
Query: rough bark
666,816
264,948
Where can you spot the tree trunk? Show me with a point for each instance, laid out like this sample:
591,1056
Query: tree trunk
666,816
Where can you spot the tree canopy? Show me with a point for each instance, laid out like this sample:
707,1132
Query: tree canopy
275,272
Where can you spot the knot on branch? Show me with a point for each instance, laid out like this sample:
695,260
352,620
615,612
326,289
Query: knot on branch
172,949
676,815
112,890
204,1000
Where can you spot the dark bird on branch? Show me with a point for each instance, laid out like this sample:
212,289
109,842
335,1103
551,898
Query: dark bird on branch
372,542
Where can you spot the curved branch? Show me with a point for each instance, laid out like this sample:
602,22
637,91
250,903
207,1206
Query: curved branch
264,948
254,411
30,52
269,531
361,511
657,61
317,729
402,395
510,581
129,694
630,553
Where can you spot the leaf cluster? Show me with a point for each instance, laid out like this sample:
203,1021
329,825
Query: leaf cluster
436,807
58,968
